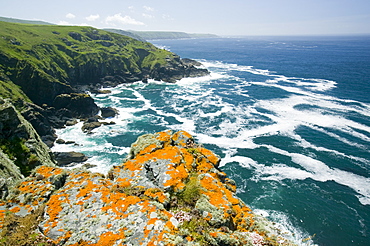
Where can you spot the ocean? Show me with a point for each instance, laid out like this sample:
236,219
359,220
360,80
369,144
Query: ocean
289,116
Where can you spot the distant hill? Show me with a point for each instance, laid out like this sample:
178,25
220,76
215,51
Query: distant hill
126,33
12,20
149,35
152,35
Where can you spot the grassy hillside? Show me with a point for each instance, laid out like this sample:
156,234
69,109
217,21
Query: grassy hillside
45,61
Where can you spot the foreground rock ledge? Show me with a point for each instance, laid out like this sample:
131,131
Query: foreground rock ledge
168,191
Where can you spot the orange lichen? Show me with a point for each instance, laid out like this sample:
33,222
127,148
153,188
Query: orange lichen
182,134
203,165
150,148
15,209
85,191
164,136
123,182
156,194
209,155
191,175
168,153
214,190
54,207
47,172
178,175
133,165
110,238
188,158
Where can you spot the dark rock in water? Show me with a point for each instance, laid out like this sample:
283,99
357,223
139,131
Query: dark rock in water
100,91
66,158
88,165
89,126
109,123
71,122
80,105
60,141
108,112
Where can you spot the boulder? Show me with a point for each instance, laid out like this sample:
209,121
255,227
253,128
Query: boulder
108,112
87,127
66,158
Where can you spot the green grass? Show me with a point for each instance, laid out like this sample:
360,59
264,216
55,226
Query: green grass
9,90
17,151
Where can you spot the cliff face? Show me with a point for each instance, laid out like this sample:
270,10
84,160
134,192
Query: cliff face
169,191
21,148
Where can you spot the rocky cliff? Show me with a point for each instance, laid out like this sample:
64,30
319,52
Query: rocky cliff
169,191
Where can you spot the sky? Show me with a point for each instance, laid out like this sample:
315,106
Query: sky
221,17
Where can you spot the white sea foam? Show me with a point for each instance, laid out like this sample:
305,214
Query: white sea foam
316,170
285,225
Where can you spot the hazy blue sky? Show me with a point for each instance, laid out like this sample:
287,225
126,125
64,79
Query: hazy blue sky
223,17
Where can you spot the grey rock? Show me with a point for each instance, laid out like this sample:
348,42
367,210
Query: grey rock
66,158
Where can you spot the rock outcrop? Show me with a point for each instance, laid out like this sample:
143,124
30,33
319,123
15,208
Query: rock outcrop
20,141
169,191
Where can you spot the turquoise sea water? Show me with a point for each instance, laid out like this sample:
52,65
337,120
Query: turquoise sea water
290,118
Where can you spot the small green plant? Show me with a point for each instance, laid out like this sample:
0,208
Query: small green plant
193,151
16,149
196,228
191,193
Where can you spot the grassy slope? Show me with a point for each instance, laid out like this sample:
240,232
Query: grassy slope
46,60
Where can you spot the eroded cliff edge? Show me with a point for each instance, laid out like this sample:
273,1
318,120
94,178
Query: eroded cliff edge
169,191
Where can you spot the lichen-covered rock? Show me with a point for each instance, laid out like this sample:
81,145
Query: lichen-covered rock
168,191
